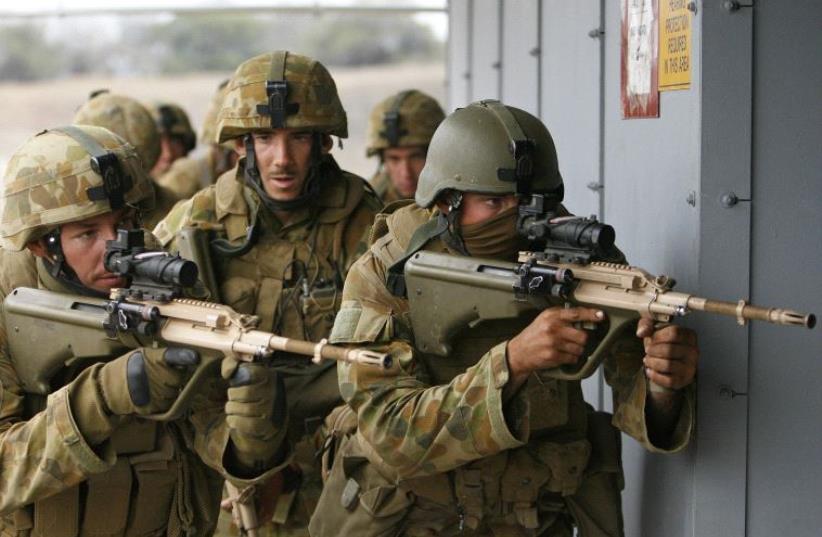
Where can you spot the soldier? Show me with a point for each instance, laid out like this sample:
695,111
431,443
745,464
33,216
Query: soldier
132,121
481,441
82,460
399,130
187,175
177,138
287,224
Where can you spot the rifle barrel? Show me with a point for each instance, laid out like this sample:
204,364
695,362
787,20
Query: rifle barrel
744,312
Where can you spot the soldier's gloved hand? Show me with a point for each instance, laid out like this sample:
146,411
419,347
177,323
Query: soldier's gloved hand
145,381
255,414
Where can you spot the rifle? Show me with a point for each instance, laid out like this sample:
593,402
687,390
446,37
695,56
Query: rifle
572,265
70,330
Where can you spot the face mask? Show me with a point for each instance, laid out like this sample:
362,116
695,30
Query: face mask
496,238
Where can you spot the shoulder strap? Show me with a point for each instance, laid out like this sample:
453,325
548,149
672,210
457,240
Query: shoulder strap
426,232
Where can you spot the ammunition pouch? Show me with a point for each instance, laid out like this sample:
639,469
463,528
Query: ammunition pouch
139,493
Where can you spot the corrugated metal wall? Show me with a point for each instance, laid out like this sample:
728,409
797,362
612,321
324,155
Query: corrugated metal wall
749,124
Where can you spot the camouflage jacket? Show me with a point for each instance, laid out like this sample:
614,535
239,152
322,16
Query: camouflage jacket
382,185
146,478
292,279
186,176
448,433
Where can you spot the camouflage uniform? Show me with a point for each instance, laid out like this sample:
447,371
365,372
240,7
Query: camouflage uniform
406,119
443,445
131,120
292,275
139,477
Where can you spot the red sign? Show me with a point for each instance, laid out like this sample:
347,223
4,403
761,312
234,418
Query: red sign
639,51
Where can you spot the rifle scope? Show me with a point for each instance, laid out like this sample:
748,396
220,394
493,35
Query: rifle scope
582,233
126,256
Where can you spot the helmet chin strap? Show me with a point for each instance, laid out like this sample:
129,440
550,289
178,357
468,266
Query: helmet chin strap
60,270
451,222
313,180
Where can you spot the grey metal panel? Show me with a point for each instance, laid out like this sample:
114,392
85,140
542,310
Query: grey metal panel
785,402
650,167
520,55
724,253
459,53
485,53
571,95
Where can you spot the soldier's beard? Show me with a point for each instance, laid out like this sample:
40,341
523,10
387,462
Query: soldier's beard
496,238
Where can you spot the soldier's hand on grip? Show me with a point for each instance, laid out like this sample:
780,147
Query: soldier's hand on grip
145,381
255,413
551,340
671,354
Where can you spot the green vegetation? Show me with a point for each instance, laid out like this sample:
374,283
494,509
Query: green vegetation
162,45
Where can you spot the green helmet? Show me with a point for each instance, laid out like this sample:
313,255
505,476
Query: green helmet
125,117
65,175
490,148
208,134
281,90
173,121
408,118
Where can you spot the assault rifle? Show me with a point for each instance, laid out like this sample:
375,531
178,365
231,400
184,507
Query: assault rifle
71,331
572,266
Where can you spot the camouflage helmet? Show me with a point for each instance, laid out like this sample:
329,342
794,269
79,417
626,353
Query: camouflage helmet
57,177
173,121
490,148
281,90
408,118
125,117
208,133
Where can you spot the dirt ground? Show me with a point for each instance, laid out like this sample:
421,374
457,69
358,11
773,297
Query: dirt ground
28,108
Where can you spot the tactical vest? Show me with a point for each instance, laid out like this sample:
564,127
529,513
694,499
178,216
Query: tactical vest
532,488
292,280
158,485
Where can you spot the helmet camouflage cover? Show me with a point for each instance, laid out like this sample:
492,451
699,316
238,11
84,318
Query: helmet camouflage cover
173,121
208,133
53,179
408,118
281,90
490,148
127,118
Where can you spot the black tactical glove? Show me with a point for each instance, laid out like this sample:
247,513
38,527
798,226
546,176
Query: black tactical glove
256,414
145,381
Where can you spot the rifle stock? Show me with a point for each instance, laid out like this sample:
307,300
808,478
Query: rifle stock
491,290
66,329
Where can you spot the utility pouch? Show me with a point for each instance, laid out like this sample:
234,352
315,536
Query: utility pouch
107,501
597,505
372,505
58,515
157,475
566,462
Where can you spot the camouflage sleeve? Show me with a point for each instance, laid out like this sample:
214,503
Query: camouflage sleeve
415,428
194,211
211,435
45,454
624,373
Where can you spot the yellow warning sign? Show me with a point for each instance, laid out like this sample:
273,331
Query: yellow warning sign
674,45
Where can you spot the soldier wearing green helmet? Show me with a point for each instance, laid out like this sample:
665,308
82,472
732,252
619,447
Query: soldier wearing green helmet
480,442
82,460
177,138
284,226
399,131
189,174
132,121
